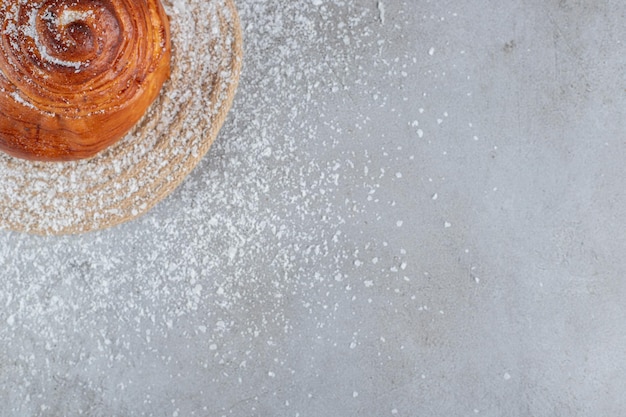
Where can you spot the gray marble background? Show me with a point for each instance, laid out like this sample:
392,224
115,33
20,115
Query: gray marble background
415,208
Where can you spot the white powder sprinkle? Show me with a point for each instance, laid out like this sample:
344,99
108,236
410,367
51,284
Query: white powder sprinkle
70,16
256,257
381,11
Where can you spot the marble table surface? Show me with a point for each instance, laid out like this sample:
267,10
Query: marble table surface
415,208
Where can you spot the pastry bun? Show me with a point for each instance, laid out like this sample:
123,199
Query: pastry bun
77,75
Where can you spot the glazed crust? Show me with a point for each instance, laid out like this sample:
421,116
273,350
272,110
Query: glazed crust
77,75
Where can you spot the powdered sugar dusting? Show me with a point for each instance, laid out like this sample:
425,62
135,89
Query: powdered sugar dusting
283,260
70,16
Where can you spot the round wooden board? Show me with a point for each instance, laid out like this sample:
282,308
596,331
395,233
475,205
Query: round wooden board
128,179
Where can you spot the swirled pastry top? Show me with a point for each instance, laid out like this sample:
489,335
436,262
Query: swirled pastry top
77,75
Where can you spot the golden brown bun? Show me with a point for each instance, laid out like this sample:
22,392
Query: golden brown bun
77,75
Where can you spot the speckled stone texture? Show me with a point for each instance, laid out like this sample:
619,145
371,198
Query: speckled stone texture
415,208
